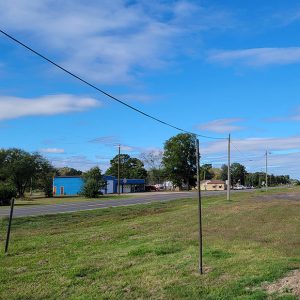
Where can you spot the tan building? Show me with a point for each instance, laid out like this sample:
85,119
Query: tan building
212,185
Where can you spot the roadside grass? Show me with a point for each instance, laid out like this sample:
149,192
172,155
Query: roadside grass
67,199
151,251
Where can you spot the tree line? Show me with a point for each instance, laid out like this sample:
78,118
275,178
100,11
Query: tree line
21,171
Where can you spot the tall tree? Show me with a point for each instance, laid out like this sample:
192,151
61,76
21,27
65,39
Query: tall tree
179,160
66,171
44,177
129,167
206,172
153,162
238,173
20,168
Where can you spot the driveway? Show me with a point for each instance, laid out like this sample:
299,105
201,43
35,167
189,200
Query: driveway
143,198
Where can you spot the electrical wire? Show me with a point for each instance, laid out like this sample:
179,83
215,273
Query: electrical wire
104,92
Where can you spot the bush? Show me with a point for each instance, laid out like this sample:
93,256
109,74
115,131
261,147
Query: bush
91,188
7,192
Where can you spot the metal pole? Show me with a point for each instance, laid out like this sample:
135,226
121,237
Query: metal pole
119,169
199,208
9,224
228,171
266,169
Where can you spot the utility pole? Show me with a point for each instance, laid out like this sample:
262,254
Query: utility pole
228,171
266,169
119,169
199,207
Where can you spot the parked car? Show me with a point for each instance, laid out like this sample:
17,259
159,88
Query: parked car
151,188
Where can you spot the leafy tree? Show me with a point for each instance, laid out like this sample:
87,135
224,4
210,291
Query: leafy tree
44,180
93,183
7,192
216,173
238,173
129,167
153,162
66,171
224,172
206,172
179,160
19,167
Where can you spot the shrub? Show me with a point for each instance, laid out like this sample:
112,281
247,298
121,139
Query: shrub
91,188
7,192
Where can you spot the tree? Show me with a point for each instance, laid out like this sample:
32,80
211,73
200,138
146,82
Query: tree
66,171
93,183
44,180
179,160
206,172
19,167
153,162
224,172
7,192
217,173
238,173
129,167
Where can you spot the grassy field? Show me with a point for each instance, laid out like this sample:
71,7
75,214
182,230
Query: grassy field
151,251
66,199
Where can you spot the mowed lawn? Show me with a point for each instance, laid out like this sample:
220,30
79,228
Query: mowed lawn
67,199
151,251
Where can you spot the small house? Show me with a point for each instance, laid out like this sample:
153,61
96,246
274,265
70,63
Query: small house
212,185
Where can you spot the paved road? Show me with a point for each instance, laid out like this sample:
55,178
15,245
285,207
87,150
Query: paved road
36,210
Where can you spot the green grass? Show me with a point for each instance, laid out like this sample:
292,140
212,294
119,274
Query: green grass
151,251
66,199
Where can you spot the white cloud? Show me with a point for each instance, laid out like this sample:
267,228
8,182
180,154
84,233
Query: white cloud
256,57
110,41
52,150
222,125
14,107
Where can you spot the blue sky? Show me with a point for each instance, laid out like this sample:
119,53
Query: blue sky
211,67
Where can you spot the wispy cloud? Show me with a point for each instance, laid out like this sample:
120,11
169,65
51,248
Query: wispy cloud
121,39
79,162
285,153
14,107
107,140
222,125
52,150
255,145
257,57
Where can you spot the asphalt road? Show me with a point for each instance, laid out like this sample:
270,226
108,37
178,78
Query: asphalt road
37,210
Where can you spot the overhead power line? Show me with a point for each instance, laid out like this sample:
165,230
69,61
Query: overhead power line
104,92
248,159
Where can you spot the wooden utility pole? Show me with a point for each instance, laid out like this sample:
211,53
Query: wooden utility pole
228,171
199,208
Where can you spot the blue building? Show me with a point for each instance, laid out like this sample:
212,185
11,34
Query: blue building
72,185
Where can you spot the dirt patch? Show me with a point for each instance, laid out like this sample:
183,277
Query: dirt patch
289,284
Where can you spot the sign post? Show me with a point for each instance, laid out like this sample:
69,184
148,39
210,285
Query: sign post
199,207
9,224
